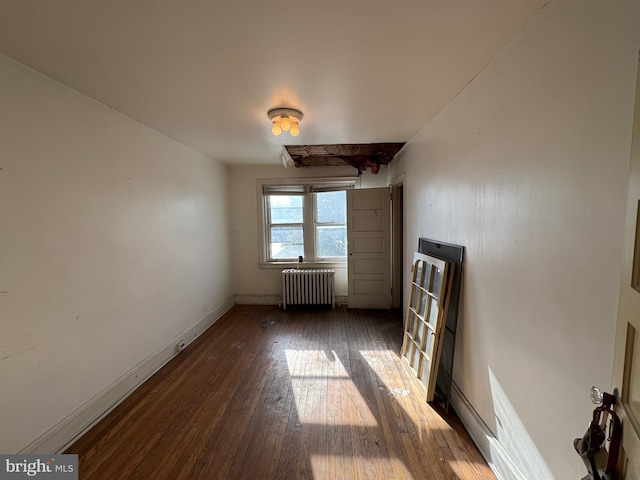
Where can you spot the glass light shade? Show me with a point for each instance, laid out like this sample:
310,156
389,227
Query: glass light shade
285,124
276,130
294,131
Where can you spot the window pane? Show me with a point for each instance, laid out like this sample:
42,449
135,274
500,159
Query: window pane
423,302
331,241
286,208
331,207
286,242
437,280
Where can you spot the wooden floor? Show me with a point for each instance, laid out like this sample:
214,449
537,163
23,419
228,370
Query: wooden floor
270,394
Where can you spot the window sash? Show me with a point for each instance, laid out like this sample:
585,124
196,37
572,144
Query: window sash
272,255
325,226
271,226
319,245
269,207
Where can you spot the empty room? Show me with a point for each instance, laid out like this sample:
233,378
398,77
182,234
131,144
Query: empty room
319,240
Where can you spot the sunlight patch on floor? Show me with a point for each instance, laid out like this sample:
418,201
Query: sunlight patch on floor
315,363
379,361
322,387
464,469
332,466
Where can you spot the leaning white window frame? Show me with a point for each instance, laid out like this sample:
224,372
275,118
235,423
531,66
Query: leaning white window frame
293,186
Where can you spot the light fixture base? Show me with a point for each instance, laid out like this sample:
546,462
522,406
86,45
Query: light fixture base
284,112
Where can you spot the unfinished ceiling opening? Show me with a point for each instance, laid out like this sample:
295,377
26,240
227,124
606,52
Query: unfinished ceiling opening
360,156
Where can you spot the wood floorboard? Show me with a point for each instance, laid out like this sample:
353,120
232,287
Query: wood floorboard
284,395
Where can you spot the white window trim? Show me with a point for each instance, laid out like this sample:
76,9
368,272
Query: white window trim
309,213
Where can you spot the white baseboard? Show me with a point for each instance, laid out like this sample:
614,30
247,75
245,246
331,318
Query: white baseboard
247,299
67,431
496,456
242,299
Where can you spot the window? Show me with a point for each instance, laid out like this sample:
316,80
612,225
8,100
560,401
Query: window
308,220
331,224
286,221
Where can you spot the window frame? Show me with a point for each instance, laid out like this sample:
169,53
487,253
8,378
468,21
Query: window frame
268,224
266,187
317,224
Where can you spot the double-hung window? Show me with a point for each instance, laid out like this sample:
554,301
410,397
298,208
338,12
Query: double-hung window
306,220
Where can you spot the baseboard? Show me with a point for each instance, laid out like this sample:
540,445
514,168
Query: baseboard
242,299
496,456
67,431
341,301
245,299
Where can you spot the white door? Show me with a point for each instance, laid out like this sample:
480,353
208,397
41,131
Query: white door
369,244
627,347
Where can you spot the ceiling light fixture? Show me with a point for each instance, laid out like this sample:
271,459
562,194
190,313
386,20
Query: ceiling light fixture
285,119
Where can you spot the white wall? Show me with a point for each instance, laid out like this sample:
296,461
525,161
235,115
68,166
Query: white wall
113,241
527,167
251,283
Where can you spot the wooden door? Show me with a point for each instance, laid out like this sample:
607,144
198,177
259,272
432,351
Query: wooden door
627,346
424,325
369,244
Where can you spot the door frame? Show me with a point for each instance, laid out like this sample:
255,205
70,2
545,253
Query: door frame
398,241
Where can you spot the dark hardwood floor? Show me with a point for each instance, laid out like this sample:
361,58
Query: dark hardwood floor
270,394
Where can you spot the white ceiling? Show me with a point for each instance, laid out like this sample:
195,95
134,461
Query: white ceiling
205,72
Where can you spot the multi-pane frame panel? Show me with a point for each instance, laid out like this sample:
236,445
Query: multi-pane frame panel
424,324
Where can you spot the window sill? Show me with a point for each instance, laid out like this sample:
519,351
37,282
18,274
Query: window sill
282,265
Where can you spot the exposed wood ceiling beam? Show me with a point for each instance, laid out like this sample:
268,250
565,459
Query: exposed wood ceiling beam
360,156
